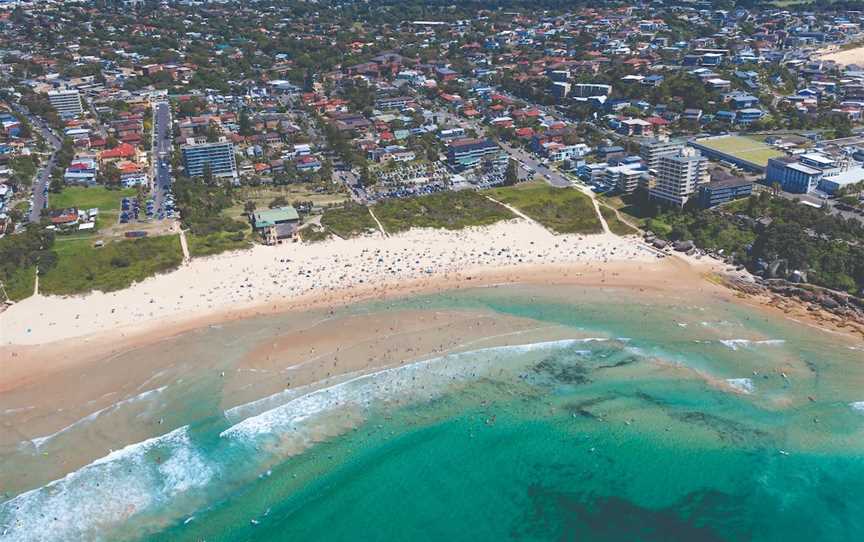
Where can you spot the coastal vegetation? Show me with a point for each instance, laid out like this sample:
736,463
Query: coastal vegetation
616,225
447,210
20,255
766,233
217,242
203,211
82,267
562,210
349,220
314,233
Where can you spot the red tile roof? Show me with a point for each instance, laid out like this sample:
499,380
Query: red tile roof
123,150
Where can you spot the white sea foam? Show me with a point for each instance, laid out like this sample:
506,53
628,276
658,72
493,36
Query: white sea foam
17,410
857,405
744,385
391,383
735,344
38,442
87,503
240,412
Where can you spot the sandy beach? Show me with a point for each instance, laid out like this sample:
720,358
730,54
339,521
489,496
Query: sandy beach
225,342
300,274
843,57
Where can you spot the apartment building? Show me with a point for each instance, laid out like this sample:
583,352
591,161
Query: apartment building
219,156
679,177
66,102
465,154
625,178
652,150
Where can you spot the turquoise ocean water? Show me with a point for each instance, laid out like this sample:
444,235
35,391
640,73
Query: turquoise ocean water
656,419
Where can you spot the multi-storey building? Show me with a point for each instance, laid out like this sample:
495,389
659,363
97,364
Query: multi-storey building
792,175
679,177
219,156
652,150
723,191
587,90
626,178
465,154
66,102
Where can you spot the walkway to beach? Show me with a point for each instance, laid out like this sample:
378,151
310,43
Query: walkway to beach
375,218
184,245
515,211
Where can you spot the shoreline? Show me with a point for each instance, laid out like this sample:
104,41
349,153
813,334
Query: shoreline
600,261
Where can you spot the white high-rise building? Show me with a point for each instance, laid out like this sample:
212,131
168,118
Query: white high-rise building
652,150
66,102
679,176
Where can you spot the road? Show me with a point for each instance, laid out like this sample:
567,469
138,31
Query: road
530,162
525,159
43,176
350,180
816,200
161,151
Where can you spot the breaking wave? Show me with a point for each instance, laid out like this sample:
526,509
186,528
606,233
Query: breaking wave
163,479
735,344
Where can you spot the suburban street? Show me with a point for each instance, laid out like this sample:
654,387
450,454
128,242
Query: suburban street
162,148
40,183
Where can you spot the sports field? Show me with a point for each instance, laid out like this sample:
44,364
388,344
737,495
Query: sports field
742,148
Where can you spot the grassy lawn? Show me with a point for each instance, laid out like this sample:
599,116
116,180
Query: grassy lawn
562,210
20,284
448,210
350,220
615,224
81,267
90,197
214,243
263,195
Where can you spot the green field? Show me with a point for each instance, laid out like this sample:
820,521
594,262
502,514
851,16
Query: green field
349,220
742,148
82,268
562,210
90,197
447,210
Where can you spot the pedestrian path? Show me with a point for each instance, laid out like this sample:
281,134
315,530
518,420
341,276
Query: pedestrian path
375,218
185,246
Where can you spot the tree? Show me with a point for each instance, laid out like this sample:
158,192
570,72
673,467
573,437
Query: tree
308,80
249,207
511,177
245,124
213,133
326,171
278,201
365,176
110,174
207,173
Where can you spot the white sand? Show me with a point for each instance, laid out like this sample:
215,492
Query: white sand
844,57
272,275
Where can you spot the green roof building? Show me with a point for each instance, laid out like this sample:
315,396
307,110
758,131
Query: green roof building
273,217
